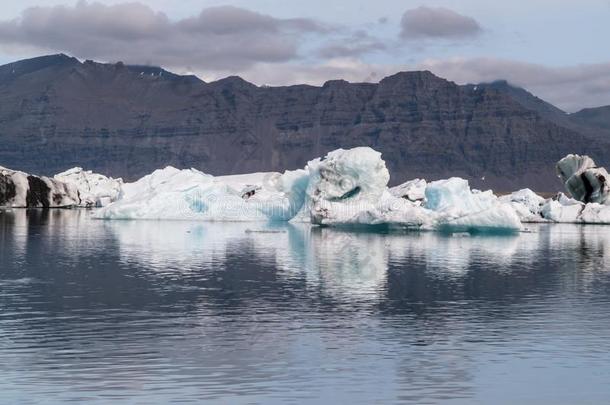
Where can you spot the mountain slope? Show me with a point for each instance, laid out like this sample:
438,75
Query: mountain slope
56,112
598,118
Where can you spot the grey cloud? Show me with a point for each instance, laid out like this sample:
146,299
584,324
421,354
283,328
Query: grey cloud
437,23
218,38
227,20
350,69
358,43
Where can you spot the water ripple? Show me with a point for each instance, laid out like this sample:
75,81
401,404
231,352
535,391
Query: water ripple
94,311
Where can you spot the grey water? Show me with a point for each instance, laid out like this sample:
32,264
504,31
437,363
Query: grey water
158,312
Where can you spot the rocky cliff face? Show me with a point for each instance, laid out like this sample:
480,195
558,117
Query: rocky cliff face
598,118
125,121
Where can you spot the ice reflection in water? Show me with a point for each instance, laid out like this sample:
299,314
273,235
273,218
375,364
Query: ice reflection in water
163,311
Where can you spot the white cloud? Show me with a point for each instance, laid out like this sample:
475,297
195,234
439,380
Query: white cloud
437,23
278,51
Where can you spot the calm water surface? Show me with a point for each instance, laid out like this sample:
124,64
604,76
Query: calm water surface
146,312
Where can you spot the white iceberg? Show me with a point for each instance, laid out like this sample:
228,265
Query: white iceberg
412,190
563,209
555,211
594,213
526,203
349,187
586,183
356,174
171,193
346,187
460,209
22,190
95,190
560,209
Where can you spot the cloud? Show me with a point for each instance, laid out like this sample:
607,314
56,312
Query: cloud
219,37
267,50
356,44
437,23
351,69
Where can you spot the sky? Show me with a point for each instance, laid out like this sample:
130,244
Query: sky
557,49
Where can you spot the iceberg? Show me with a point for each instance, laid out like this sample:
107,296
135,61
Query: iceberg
357,174
95,190
22,190
190,194
562,209
349,187
412,190
460,209
584,180
527,204
568,210
344,188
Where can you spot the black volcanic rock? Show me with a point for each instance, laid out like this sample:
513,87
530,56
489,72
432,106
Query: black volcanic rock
125,121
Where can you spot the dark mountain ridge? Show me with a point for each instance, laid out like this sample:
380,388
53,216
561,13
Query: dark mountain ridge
120,120
598,118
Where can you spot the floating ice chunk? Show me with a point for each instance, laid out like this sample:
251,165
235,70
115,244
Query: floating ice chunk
190,194
95,190
168,193
584,180
169,179
455,194
497,218
526,203
22,190
355,179
461,209
594,213
450,206
357,174
347,187
389,210
565,200
525,197
413,190
567,210
588,184
278,196
554,211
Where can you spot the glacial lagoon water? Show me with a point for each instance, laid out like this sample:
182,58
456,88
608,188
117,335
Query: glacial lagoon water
156,312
